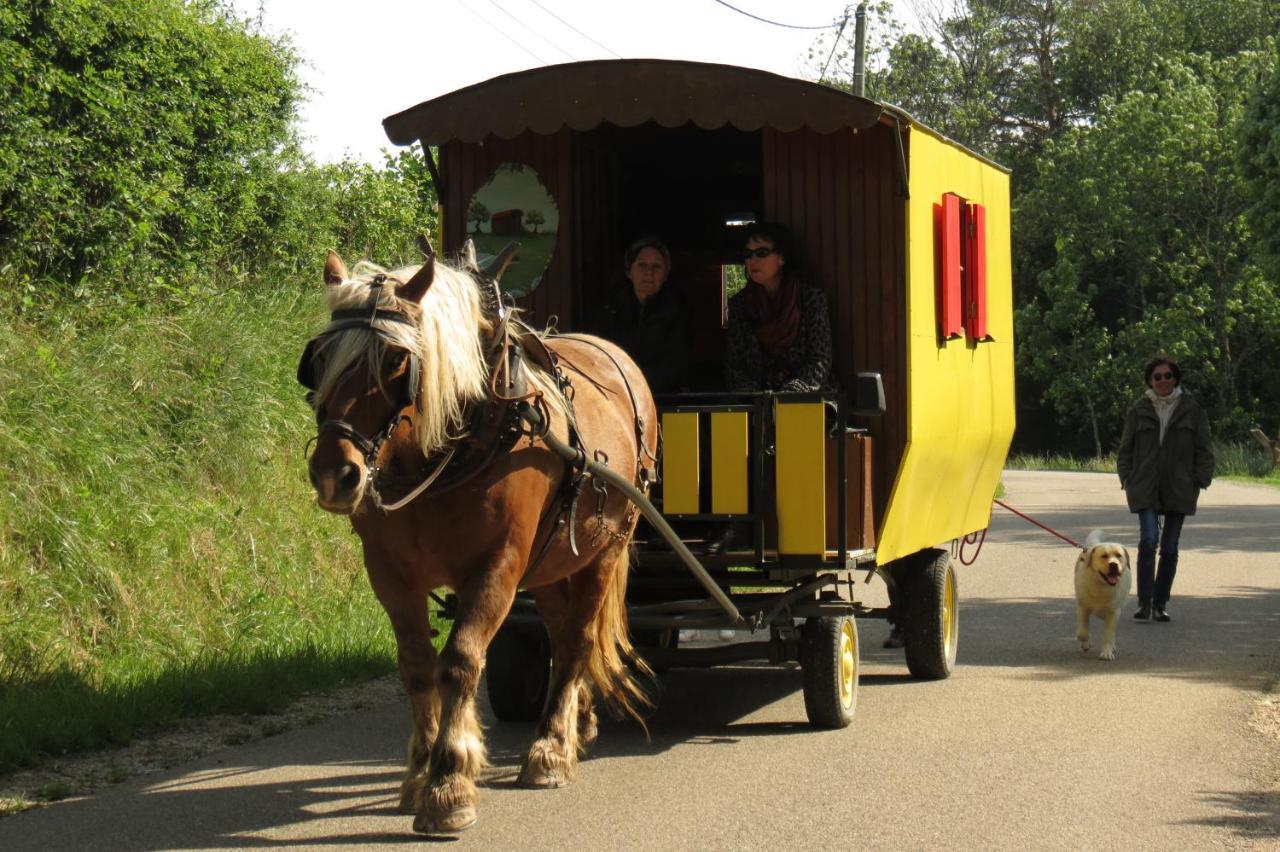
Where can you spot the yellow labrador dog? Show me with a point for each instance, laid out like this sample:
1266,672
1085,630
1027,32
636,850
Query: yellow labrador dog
1103,580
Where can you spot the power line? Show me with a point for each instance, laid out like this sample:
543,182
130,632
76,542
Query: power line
834,44
575,29
495,4
773,23
500,32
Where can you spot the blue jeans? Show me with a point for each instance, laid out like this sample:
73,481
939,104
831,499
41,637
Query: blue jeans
1153,586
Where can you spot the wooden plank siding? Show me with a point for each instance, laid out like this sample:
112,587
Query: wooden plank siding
465,168
839,193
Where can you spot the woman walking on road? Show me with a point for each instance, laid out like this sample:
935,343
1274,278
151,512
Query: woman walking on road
1164,460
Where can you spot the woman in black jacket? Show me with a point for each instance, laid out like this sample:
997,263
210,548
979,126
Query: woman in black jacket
1164,460
647,320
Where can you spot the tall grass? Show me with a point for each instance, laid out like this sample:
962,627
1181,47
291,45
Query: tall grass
1233,460
160,553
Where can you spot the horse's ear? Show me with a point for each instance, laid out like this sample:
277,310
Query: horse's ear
469,256
335,271
500,263
416,287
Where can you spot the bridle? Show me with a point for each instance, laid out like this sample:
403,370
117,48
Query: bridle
367,318
497,418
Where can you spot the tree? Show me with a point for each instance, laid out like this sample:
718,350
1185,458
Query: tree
477,213
1151,247
1258,162
1118,118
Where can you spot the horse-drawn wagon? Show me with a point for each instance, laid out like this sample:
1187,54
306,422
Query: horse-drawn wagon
474,453
908,234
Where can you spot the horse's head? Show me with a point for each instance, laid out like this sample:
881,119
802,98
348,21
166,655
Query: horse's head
363,374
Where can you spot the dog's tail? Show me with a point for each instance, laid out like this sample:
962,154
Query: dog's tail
1095,537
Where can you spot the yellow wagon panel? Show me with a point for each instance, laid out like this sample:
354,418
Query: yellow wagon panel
960,394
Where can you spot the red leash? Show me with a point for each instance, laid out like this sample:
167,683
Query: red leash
1037,523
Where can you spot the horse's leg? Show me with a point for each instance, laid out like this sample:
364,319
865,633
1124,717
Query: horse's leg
545,761
417,663
416,658
569,724
588,730
458,754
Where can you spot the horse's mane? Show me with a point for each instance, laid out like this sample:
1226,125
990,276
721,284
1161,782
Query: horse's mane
448,340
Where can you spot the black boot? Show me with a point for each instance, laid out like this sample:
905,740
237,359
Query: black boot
1161,614
728,536
1144,611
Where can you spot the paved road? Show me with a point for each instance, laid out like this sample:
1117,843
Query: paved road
1029,745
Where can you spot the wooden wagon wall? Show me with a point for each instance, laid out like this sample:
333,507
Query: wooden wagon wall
580,181
840,194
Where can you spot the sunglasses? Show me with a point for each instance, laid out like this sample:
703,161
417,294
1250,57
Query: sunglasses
757,253
1160,377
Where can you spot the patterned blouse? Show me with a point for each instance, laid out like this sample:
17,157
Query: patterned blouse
806,366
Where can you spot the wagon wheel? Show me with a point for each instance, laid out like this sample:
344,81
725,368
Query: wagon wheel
667,639
829,665
930,602
518,672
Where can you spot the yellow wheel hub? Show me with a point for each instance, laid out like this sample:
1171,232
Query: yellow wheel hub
949,612
848,663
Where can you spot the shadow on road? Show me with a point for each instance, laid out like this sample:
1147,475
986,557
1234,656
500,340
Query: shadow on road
1251,815
1216,639
1213,529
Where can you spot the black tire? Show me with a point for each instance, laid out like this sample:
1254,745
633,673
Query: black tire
653,639
518,672
829,664
930,601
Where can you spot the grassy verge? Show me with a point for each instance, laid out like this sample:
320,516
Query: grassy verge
160,553
1235,461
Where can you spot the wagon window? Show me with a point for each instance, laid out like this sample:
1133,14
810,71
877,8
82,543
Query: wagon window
514,205
732,279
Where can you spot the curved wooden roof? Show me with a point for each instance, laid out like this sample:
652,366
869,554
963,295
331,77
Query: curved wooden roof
628,92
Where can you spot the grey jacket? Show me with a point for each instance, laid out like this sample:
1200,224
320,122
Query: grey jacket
1165,476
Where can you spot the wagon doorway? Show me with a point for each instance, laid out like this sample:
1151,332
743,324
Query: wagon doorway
692,187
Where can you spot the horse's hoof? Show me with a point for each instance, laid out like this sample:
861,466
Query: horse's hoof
455,821
542,779
408,802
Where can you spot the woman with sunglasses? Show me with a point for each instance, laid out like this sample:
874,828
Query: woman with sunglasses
779,334
1165,458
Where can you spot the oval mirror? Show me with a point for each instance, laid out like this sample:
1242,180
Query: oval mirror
514,206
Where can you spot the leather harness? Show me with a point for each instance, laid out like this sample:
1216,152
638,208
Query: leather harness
494,424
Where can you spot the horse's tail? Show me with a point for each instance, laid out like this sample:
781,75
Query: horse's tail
614,660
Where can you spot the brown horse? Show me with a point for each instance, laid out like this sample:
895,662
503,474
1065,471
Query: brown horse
415,382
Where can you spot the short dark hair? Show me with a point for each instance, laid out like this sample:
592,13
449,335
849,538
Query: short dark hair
1158,361
653,242
784,243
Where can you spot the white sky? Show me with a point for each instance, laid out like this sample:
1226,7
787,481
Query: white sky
370,59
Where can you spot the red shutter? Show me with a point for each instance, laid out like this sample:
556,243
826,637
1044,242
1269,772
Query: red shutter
975,271
946,220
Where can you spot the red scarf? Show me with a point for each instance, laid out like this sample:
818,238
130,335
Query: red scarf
776,319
